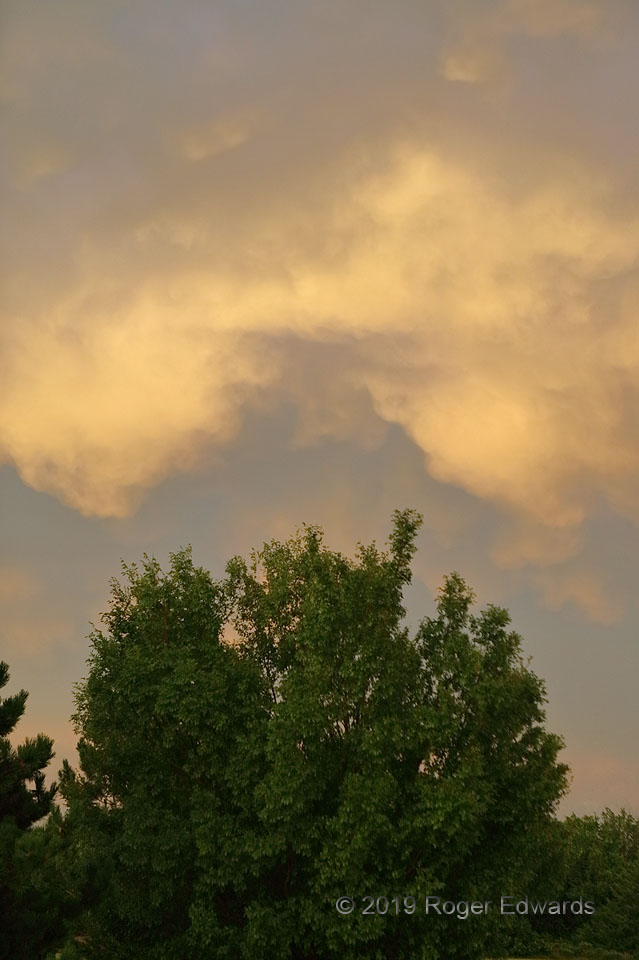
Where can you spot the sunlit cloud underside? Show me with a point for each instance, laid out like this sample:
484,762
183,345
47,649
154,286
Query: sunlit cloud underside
172,243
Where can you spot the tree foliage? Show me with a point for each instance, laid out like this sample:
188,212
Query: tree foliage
252,749
596,858
24,800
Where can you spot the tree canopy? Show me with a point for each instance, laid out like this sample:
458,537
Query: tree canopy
254,748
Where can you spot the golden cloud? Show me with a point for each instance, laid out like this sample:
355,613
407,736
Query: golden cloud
470,64
583,590
504,372
169,248
212,139
555,17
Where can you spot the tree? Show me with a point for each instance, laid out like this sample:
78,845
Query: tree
170,718
21,806
319,752
601,864
590,859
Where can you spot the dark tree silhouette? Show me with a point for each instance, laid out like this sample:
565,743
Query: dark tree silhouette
23,801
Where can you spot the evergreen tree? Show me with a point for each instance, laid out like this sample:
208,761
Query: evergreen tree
19,803
23,801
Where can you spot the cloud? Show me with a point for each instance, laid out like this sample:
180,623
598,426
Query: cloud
524,541
484,39
16,584
470,64
583,590
96,416
551,18
482,294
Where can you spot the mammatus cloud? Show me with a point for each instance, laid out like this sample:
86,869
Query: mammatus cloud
551,18
477,48
469,63
584,590
513,318
97,412
166,257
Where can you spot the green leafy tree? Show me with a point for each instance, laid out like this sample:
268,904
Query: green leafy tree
236,783
23,801
601,864
162,815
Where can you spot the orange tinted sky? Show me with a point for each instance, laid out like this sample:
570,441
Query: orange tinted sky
266,263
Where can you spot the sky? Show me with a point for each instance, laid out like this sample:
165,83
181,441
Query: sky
266,263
